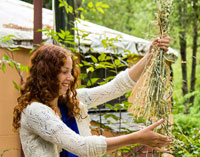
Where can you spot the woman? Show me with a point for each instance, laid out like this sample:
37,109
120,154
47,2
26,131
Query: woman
52,81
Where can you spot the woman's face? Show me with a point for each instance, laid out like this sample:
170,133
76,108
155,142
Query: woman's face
65,77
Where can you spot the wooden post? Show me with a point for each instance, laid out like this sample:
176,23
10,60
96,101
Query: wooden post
37,37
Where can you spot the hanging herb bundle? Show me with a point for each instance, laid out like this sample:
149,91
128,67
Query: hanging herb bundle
153,100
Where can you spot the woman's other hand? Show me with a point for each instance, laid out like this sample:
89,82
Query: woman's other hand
148,137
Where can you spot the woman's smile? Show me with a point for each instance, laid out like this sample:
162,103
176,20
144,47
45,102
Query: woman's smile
65,85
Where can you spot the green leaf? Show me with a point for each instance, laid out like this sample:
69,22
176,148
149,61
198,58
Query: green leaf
98,4
109,78
86,63
140,120
81,9
65,3
102,57
69,42
82,86
5,58
82,17
117,61
6,38
90,5
62,36
15,49
85,35
118,106
3,67
108,115
11,64
108,58
11,36
92,81
24,68
105,6
61,5
109,106
83,76
100,10
16,86
93,58
62,31
90,69
70,9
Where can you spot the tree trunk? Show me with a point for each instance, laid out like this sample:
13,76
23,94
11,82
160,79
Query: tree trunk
194,50
183,47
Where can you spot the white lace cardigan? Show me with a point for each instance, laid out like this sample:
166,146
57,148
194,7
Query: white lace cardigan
43,134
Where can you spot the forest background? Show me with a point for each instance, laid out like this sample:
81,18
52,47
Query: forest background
137,18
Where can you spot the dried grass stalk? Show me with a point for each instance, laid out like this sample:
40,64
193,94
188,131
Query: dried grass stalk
153,100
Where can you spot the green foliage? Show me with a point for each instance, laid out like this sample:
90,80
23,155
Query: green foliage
8,59
186,129
126,16
68,8
187,126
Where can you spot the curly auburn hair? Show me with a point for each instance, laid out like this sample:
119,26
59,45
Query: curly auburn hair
42,84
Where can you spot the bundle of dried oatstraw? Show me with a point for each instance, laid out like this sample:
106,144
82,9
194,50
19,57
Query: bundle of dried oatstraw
153,99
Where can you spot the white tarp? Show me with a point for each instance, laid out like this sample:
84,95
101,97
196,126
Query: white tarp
17,19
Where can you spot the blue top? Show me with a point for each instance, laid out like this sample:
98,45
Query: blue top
71,123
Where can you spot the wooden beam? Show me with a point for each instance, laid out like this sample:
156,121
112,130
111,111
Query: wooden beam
37,37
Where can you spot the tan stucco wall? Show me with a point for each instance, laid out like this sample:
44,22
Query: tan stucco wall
8,95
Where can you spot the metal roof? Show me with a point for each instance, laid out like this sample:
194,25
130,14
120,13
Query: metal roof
17,19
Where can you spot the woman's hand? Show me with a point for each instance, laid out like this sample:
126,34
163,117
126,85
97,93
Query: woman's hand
163,43
136,71
152,139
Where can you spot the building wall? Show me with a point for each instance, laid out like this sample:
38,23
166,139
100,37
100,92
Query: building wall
8,99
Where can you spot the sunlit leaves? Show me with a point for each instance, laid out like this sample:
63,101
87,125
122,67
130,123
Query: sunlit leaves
92,81
99,6
117,62
102,57
3,67
93,58
100,10
16,86
68,8
90,5
5,39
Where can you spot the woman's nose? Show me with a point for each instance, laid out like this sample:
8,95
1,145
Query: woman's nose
70,77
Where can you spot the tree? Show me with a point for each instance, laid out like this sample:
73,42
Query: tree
195,24
188,10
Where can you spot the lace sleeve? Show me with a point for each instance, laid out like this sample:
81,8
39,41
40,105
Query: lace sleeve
42,121
121,84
